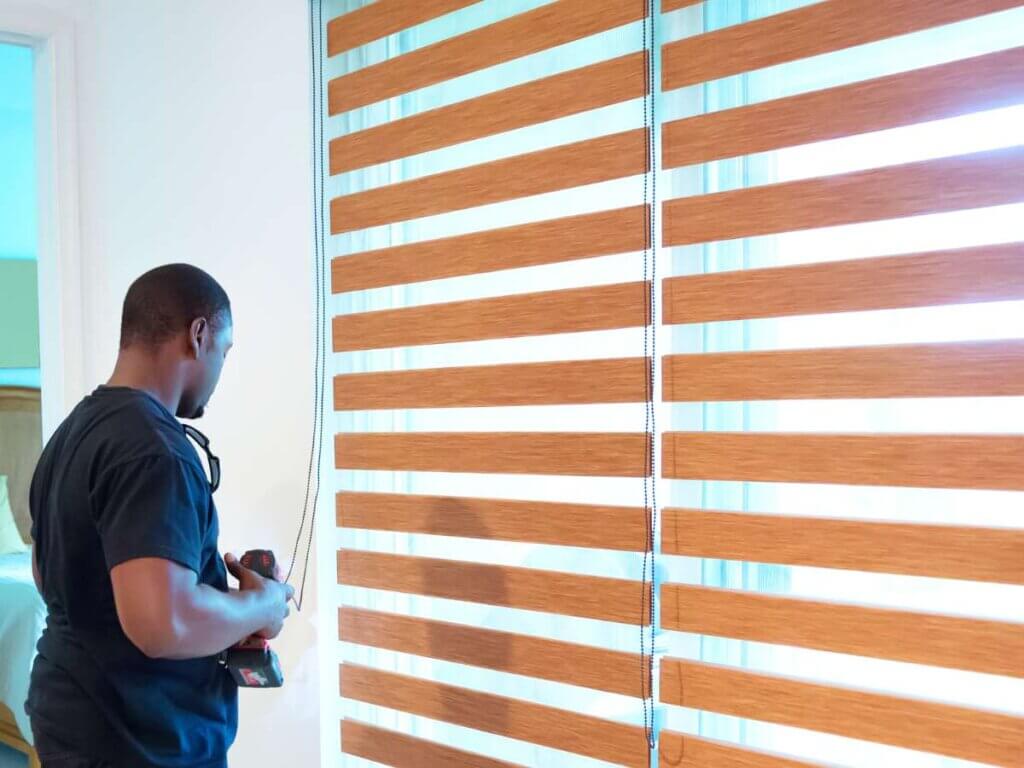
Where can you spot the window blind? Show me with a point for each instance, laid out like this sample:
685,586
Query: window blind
836,422
548,230
738,234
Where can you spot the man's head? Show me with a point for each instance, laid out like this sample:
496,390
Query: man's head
182,315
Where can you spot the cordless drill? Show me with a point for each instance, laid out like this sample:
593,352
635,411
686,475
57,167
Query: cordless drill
252,663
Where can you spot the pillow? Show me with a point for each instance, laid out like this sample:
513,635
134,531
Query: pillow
10,539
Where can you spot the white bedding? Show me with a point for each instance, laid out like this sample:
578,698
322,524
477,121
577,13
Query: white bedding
22,616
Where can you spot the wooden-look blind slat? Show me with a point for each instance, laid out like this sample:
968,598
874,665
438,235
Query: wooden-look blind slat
571,310
965,275
572,732
527,245
572,525
974,369
681,750
583,665
675,5
816,29
591,597
585,454
382,18
994,462
584,162
968,734
620,380
975,180
400,750
568,93
992,647
912,549
946,90
525,33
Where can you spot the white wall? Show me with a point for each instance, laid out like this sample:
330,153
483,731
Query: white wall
193,136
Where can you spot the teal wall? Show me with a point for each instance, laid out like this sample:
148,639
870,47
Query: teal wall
19,314
17,160
19,309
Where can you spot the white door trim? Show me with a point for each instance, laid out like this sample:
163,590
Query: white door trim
51,35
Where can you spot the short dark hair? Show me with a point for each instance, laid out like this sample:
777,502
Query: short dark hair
164,301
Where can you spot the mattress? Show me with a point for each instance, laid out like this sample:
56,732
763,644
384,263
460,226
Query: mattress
22,616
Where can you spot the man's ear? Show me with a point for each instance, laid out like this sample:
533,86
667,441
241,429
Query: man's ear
197,336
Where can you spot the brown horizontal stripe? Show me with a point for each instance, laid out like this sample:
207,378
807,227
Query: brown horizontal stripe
674,5
958,369
586,454
382,18
976,180
912,549
571,525
933,93
572,310
591,597
968,734
681,750
993,462
584,162
810,31
535,723
525,33
977,645
567,93
544,242
622,380
582,665
961,276
400,750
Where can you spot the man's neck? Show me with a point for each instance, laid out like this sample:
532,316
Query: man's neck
149,372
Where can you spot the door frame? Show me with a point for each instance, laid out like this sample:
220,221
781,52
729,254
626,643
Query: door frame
51,35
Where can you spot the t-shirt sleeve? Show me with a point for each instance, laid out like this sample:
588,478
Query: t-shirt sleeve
151,507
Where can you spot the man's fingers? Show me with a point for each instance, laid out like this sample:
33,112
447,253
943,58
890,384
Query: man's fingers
234,567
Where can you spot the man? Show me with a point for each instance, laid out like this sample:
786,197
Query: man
125,555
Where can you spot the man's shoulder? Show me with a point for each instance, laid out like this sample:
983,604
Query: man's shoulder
128,430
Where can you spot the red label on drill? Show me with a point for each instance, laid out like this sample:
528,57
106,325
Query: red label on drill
253,678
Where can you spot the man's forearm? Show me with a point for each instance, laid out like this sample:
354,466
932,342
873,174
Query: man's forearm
211,620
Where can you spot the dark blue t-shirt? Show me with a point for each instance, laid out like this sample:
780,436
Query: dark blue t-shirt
119,480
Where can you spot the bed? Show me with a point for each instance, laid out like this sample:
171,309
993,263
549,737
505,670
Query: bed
22,615
22,612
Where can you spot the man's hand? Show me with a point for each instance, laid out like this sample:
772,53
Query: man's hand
276,594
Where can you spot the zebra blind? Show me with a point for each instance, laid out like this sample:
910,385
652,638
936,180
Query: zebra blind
556,204
827,383
791,478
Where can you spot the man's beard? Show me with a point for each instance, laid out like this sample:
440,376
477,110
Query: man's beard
187,411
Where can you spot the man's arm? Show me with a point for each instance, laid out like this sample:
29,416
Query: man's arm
167,613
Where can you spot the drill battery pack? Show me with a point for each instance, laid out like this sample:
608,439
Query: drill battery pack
253,664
